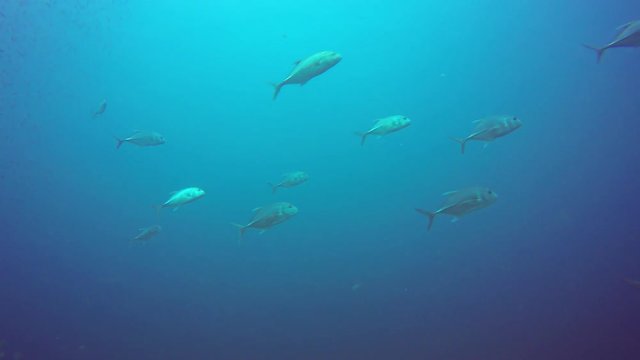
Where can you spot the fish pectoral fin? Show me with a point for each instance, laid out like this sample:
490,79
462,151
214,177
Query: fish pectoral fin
297,62
256,209
175,208
263,231
455,219
449,193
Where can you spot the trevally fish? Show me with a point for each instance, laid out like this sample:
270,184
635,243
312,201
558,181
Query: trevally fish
386,126
267,216
142,138
290,180
309,68
628,36
462,202
491,128
182,197
148,233
101,109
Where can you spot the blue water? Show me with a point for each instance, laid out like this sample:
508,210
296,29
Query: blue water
355,274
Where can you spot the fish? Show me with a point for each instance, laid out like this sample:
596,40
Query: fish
147,233
385,126
491,128
290,180
182,197
101,109
628,36
142,138
632,282
461,202
268,216
308,68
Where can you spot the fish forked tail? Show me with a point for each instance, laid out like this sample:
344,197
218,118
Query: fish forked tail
428,214
462,143
599,51
363,137
241,230
276,90
274,188
119,142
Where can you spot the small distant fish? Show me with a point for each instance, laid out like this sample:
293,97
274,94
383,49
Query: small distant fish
491,128
632,282
290,180
462,202
147,233
101,109
142,138
182,197
309,68
386,126
628,36
268,216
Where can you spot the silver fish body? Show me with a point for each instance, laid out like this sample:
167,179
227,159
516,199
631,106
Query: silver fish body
309,68
290,180
628,36
268,216
461,202
385,126
143,139
148,233
491,128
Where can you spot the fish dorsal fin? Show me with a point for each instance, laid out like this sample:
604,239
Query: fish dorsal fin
624,26
620,29
297,62
173,192
449,192
476,121
256,209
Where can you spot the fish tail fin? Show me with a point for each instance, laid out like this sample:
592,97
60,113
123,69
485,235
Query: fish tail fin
119,142
276,90
462,143
599,51
241,230
363,137
274,188
429,214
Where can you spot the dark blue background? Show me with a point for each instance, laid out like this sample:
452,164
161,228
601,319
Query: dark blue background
539,275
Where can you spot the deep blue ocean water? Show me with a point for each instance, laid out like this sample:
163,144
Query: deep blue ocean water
355,274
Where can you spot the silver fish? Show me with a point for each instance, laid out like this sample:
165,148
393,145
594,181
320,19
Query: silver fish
462,202
101,109
268,216
628,36
148,233
182,197
491,128
386,126
142,138
309,68
290,180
